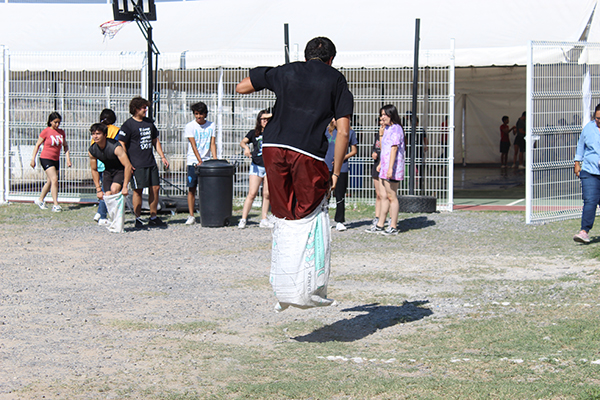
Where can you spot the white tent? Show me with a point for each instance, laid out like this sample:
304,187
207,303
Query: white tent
367,34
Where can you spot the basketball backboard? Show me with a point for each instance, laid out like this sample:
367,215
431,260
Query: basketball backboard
124,10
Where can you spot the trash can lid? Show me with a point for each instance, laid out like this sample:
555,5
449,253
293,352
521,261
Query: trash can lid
212,167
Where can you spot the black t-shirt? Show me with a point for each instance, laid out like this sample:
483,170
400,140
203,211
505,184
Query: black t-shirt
520,126
138,137
107,155
256,152
309,94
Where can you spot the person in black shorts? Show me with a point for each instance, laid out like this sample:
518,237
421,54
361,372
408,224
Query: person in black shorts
519,143
139,136
117,172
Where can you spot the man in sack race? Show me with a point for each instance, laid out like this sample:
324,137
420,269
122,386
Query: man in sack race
117,174
309,94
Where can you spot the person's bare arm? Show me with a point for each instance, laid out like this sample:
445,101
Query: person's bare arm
195,150
245,86
159,150
67,153
96,176
213,148
341,147
393,153
352,153
35,151
122,155
244,145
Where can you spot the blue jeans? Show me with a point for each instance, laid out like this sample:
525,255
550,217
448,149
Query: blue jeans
102,210
590,188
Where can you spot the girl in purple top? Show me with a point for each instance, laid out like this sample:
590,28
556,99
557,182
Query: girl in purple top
391,168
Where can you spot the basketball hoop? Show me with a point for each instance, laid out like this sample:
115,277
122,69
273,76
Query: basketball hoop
111,28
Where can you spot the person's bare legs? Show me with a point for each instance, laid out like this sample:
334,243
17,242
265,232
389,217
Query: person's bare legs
265,201
391,189
253,186
191,200
384,206
51,185
378,196
137,202
516,158
153,200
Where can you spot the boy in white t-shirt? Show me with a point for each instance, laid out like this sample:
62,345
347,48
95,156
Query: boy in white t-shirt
201,136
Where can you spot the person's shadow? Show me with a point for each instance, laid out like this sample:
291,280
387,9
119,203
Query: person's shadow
420,222
404,225
361,326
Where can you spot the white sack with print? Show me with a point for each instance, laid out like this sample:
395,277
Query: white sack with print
115,204
300,261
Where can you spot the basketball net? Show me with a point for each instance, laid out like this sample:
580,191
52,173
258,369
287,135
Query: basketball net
111,28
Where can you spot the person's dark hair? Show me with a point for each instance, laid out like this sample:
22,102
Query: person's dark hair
321,48
522,115
53,115
258,129
505,118
200,107
99,127
391,111
108,117
137,103
597,109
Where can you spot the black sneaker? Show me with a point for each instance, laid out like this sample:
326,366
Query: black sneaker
390,232
374,229
156,223
139,224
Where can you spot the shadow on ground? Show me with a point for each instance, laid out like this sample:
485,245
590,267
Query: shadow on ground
409,224
361,326
404,225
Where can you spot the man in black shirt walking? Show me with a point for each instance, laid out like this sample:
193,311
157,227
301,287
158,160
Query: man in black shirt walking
139,136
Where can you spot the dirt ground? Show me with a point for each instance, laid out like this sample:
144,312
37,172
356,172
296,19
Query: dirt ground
67,291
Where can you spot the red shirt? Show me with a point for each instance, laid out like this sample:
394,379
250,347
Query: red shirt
53,142
504,129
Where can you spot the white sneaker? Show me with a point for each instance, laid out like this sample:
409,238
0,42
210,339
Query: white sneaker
97,217
242,224
265,223
191,220
340,227
103,222
56,208
41,204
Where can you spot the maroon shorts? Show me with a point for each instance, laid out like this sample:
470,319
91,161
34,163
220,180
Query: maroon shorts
297,182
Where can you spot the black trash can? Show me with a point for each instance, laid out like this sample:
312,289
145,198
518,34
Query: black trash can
215,192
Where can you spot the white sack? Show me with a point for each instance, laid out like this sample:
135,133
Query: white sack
115,204
300,261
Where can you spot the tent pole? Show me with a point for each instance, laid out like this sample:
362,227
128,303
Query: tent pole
286,39
411,189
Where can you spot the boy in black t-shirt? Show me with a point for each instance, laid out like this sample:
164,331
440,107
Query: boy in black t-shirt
309,94
117,172
139,136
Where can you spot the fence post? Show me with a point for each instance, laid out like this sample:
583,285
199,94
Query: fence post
4,143
450,128
528,134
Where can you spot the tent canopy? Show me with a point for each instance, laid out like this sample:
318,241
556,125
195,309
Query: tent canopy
485,32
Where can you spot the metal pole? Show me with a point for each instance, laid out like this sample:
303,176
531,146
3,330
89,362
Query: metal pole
528,135
286,39
150,75
411,188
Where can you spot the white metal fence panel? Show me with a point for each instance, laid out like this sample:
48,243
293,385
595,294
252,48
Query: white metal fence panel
556,114
80,95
